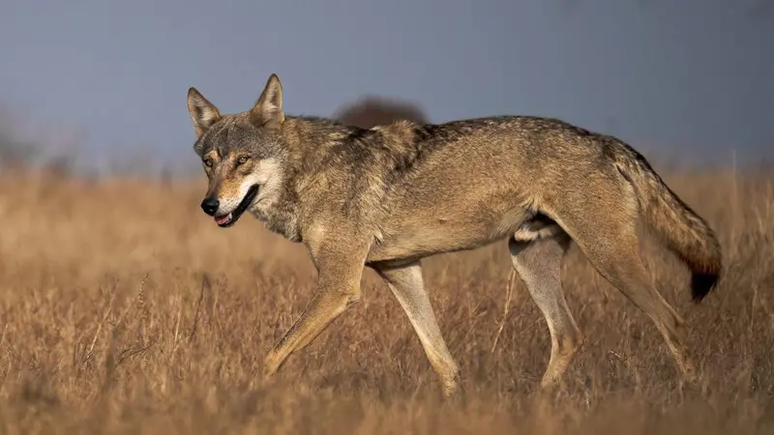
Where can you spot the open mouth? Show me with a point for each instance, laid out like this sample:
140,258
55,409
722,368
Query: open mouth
231,218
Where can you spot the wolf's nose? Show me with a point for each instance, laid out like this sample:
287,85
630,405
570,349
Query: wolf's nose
210,205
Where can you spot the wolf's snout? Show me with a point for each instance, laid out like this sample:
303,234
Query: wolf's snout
210,205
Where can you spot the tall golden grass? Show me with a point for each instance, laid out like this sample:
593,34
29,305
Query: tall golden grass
124,309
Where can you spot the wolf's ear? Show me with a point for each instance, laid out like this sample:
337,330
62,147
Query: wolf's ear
203,113
267,111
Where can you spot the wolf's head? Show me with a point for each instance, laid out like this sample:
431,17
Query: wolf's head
242,153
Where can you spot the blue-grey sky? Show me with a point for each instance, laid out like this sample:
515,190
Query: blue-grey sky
661,74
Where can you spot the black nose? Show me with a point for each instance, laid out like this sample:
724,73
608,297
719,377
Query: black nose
210,205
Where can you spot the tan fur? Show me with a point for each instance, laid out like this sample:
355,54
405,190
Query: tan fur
389,196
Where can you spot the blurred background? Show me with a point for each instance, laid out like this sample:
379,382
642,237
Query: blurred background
100,86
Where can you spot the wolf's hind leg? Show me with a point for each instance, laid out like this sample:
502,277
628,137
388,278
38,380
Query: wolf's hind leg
538,262
613,250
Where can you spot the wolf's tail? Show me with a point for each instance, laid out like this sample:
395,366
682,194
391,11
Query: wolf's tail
684,232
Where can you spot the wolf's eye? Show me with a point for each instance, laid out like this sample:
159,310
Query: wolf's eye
242,160
208,163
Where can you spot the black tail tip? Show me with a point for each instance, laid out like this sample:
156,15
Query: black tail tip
702,284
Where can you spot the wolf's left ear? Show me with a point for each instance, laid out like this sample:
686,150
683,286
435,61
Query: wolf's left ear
203,113
267,111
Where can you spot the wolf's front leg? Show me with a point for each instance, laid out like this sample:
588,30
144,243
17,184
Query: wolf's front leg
407,286
339,270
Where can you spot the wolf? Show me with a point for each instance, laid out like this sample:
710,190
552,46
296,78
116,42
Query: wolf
388,196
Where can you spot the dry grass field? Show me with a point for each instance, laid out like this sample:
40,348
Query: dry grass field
124,309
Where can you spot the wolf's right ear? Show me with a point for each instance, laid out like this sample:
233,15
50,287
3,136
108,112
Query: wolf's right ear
203,113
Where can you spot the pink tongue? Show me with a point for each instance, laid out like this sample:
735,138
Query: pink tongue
223,219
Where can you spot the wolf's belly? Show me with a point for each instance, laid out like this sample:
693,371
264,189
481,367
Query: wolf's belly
425,237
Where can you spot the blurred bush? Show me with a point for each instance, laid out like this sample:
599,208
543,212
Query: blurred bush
370,111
